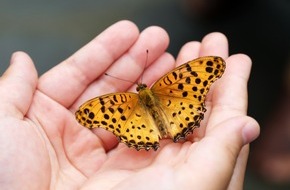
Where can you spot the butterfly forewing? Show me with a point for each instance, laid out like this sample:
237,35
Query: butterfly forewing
182,93
124,116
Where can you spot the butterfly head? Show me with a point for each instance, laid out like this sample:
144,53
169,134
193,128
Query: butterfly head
141,86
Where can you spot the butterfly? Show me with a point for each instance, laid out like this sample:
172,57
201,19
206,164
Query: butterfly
172,108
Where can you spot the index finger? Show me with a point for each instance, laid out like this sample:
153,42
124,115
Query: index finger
72,75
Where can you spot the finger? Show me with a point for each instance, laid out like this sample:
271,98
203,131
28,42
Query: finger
160,67
131,65
214,44
17,86
237,179
220,149
230,94
188,52
65,82
155,40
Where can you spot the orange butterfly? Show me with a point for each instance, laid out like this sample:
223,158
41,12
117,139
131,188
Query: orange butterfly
172,108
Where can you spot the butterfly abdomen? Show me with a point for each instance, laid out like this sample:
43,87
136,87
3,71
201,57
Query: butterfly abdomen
148,99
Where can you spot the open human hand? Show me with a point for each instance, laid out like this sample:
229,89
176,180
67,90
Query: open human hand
43,147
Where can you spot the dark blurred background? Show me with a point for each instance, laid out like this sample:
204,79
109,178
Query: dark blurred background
51,31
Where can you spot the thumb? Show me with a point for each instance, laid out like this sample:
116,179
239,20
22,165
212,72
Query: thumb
235,132
239,132
218,152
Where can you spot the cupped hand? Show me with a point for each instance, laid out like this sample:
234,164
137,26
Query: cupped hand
43,147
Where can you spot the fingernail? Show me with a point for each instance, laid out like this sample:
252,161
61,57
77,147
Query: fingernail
250,131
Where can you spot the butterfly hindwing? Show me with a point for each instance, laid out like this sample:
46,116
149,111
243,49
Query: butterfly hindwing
124,116
182,93
182,114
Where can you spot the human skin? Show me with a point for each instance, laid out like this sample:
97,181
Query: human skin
43,147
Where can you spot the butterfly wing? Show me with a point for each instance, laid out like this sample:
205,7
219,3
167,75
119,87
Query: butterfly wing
124,116
181,93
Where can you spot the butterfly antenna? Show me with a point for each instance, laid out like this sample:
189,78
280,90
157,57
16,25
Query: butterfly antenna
120,78
146,62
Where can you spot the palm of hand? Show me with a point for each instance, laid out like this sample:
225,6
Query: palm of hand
71,155
53,151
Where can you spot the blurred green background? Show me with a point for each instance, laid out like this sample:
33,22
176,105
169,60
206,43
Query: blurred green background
51,31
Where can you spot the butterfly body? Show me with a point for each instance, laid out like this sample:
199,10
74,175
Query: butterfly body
172,108
152,104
